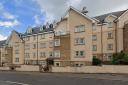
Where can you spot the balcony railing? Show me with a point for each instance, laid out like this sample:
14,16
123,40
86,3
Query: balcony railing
62,33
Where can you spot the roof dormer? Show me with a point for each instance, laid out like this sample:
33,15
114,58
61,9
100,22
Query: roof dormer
29,30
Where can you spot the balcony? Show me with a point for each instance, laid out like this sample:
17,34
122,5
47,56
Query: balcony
62,33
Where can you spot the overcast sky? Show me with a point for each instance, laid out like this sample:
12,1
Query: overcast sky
56,8
19,14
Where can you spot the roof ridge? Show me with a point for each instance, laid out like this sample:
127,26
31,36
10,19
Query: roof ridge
110,13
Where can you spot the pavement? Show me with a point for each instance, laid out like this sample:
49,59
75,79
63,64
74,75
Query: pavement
35,78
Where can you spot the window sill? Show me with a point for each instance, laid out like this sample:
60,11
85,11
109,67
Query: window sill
110,49
79,32
79,44
109,38
79,56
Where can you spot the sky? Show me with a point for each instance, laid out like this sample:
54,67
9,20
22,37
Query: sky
20,14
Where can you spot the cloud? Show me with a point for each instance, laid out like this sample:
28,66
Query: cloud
8,15
9,23
54,9
37,19
73,3
2,37
5,14
8,19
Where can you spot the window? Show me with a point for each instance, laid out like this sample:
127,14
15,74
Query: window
27,55
57,42
110,35
110,46
109,58
80,28
93,26
34,37
16,51
94,37
27,47
79,41
50,54
29,30
16,59
57,64
34,55
42,45
57,54
50,43
94,48
110,24
27,38
34,62
34,46
42,54
43,36
80,54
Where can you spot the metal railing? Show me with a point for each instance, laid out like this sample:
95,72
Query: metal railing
62,33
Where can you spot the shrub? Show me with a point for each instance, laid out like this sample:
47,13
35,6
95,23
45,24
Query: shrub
120,58
96,61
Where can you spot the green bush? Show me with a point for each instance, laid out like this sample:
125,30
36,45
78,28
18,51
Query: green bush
96,61
120,58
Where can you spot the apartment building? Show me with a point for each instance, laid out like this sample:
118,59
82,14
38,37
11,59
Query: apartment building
72,41
38,44
79,27
107,36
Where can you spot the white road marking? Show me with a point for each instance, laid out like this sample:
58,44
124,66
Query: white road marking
16,83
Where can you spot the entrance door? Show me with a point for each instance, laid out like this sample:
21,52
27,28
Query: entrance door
50,61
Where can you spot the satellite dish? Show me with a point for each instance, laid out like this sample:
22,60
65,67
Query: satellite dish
51,26
44,27
84,10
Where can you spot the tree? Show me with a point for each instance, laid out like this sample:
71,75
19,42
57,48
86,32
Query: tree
120,58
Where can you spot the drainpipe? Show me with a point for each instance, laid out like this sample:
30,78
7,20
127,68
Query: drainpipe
102,41
37,51
116,36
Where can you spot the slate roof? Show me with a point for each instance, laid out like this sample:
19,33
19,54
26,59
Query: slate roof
102,17
36,30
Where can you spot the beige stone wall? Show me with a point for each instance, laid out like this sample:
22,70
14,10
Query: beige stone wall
17,44
49,37
104,29
62,26
120,25
29,68
92,69
75,19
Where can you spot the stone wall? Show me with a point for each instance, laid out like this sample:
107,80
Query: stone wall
93,69
30,68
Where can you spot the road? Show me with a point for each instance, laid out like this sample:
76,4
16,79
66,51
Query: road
25,78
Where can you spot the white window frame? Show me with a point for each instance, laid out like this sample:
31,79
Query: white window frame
78,54
108,47
110,24
78,41
57,54
80,28
110,36
57,42
94,47
94,37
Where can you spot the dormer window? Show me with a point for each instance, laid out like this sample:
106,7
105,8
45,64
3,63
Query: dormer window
47,25
41,29
29,30
110,24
